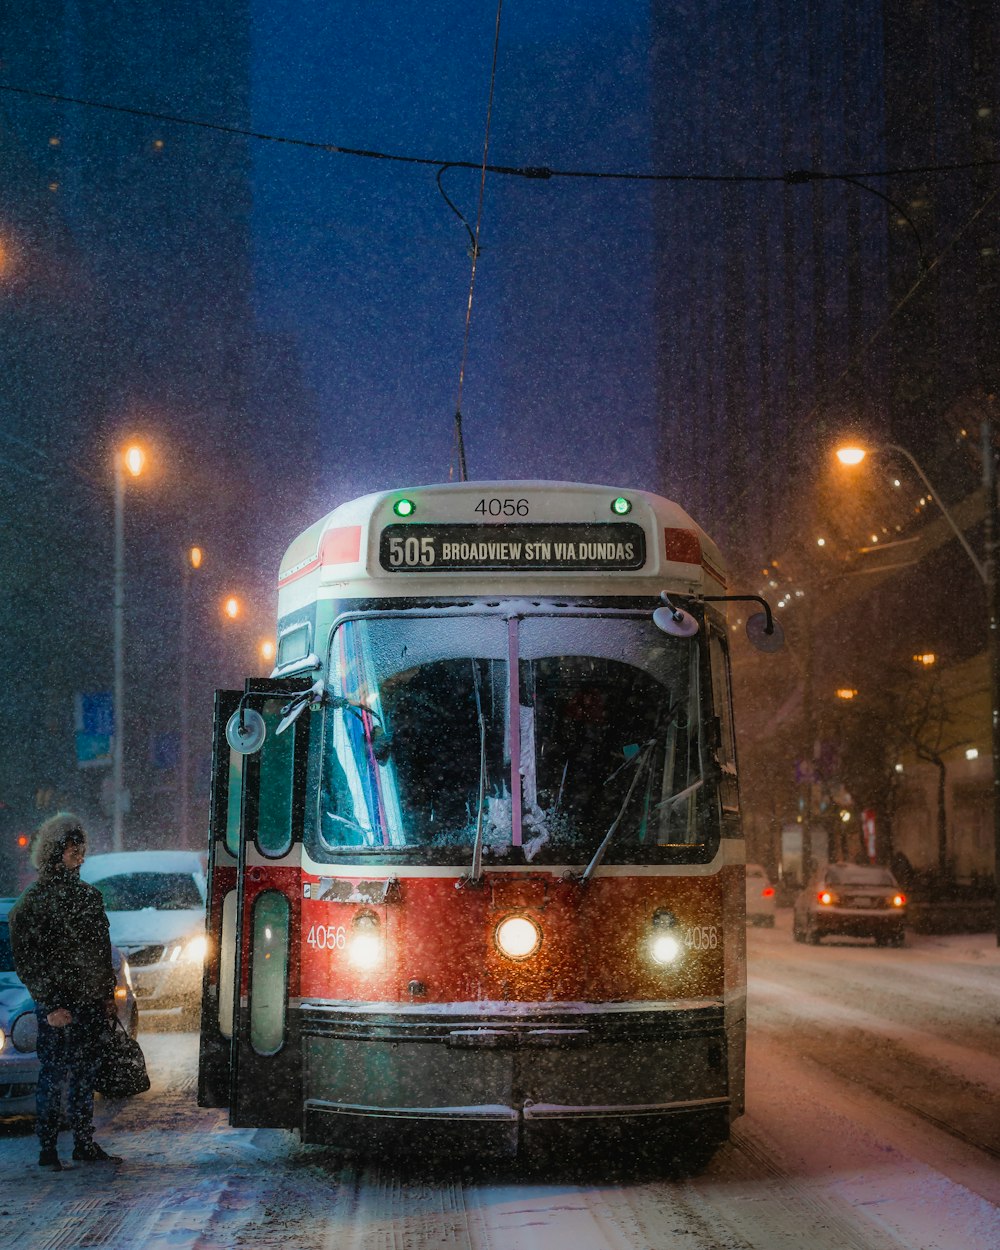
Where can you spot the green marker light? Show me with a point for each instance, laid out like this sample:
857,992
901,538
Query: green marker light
621,506
404,507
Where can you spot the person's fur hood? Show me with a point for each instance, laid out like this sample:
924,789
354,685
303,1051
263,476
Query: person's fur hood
50,840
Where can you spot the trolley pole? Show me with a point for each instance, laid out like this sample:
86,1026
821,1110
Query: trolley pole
993,637
118,744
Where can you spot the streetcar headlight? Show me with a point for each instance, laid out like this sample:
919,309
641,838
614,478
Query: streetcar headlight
517,937
665,949
364,947
665,946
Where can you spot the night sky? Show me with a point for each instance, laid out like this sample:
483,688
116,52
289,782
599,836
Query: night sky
365,262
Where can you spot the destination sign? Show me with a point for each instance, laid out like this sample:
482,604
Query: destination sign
595,546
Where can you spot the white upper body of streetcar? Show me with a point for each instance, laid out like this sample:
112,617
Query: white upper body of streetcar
500,538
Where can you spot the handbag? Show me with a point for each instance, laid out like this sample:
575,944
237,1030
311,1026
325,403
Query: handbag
122,1068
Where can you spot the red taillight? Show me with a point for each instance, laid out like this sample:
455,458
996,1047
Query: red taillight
22,839
825,897
767,891
899,900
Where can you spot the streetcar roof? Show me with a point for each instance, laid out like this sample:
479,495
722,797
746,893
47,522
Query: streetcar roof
343,554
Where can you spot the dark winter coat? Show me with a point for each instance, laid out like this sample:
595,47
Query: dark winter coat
59,938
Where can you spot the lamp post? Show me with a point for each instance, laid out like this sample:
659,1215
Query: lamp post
193,558
131,460
992,535
987,571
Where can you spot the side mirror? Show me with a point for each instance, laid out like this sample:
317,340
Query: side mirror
246,731
674,621
759,636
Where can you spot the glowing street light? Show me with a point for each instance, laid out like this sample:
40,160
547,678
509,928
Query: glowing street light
135,459
231,607
267,650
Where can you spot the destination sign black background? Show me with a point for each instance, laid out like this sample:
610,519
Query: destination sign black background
595,546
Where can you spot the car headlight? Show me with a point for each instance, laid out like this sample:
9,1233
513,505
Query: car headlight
517,937
127,974
3,1039
24,1033
192,951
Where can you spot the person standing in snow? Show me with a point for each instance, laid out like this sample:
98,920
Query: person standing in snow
62,953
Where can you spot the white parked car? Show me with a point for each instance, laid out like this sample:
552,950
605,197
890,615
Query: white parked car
760,897
155,902
19,1024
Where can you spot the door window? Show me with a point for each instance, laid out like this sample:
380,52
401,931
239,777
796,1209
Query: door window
269,972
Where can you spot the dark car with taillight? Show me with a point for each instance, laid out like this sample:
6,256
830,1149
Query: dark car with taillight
851,900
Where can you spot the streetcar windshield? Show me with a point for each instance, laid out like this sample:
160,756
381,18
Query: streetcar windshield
607,732
611,710
423,725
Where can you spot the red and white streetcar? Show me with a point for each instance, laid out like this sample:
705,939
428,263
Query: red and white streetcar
476,866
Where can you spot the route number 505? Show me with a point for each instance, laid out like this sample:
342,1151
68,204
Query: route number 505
411,552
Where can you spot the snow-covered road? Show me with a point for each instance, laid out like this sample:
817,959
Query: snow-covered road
873,1123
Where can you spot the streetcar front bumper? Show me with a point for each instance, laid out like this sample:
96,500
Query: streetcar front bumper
510,1079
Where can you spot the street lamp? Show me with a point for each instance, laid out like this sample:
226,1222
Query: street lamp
987,571
131,460
852,456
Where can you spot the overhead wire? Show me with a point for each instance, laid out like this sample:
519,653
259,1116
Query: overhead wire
790,177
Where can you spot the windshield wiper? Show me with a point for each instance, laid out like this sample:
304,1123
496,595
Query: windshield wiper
686,793
642,759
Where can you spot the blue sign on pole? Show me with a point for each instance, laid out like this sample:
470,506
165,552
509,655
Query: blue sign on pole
95,727
95,713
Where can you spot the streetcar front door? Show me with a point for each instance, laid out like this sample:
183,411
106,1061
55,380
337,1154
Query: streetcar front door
251,1056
